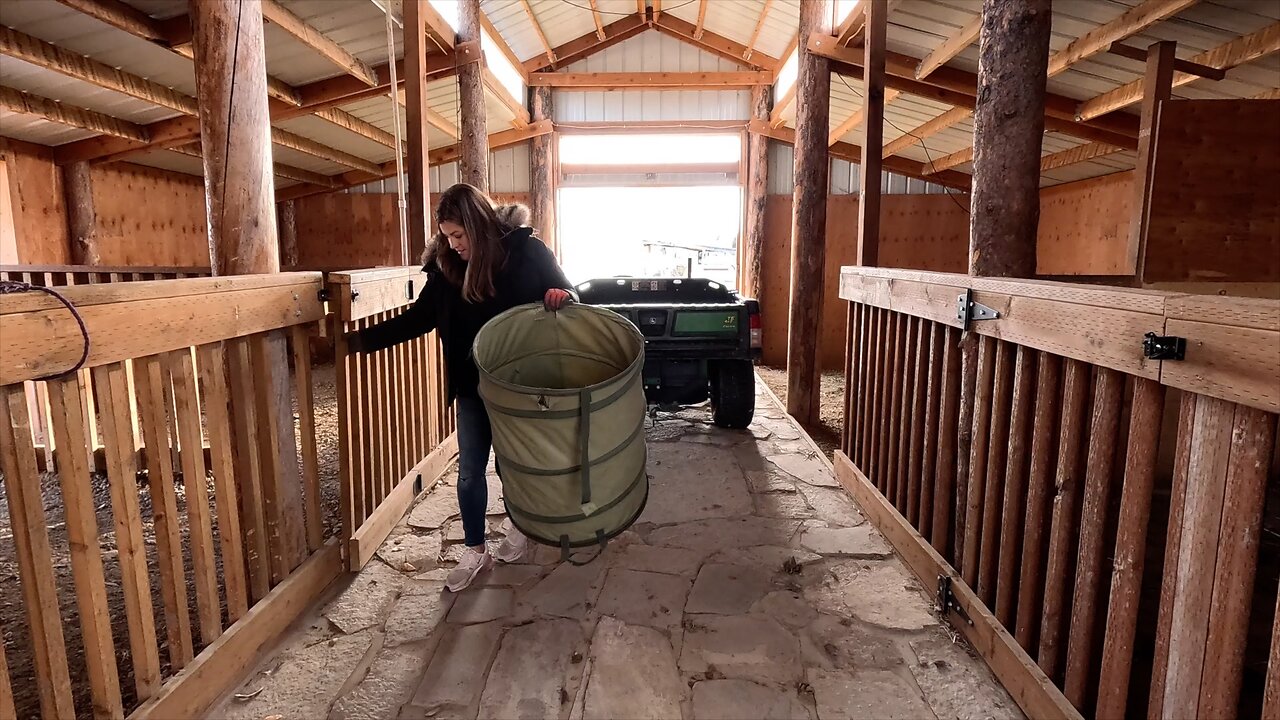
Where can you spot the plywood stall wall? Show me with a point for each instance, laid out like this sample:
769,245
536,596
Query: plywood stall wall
341,231
35,198
1085,226
1215,211
921,232
149,217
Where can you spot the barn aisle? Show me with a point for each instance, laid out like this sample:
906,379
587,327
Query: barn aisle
752,587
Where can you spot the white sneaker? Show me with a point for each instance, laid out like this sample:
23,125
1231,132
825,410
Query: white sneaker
513,546
473,562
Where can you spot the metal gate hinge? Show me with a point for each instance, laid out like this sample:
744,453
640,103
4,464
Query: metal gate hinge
323,294
947,601
967,310
1164,347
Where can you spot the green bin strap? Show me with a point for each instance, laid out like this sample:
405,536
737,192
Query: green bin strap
631,376
510,464
562,519
565,556
584,442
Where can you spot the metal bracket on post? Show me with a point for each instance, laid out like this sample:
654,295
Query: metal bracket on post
967,310
410,290
1164,347
322,294
947,601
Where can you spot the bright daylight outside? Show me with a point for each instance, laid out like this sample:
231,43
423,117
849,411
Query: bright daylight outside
691,220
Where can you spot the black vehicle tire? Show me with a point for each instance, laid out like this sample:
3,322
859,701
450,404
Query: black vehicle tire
733,393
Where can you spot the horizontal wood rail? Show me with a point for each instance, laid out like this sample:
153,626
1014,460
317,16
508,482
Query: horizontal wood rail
1025,462
199,363
395,430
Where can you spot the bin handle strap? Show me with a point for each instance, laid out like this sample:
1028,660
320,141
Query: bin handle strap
566,556
553,472
584,442
514,509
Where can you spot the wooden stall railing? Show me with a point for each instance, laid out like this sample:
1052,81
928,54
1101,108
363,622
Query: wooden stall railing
1089,516
234,539
58,276
395,430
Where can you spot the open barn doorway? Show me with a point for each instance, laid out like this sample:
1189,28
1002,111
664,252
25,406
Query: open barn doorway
651,205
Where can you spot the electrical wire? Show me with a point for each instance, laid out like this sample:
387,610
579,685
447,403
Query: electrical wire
928,156
625,14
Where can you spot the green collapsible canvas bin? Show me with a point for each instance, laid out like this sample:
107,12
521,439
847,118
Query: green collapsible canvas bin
566,403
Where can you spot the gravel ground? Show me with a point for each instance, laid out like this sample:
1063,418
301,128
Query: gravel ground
827,432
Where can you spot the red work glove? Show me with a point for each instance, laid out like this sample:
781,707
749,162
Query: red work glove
556,299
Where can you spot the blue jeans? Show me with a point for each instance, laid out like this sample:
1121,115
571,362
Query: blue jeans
474,439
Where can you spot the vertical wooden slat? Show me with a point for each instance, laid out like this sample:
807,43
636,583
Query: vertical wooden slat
131,555
153,420
404,446
1131,545
427,373
368,430
948,419
984,388
915,448
1040,485
1252,440
1202,522
867,323
1103,435
883,351
850,374
386,413
7,709
1271,693
35,564
1172,550
968,347
212,362
993,491
86,560
301,346
893,414
902,419
1015,485
248,466
933,399
182,374
871,416
1063,532
281,486
347,446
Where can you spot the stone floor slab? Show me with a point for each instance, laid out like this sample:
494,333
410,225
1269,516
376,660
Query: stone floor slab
958,685
456,674
882,595
568,592
366,601
644,598
414,616
867,695
390,681
832,505
633,675
648,558
481,605
787,607
850,644
770,480
771,557
743,647
504,575
305,682
437,508
694,482
410,552
807,468
739,699
728,589
529,678
782,505
862,541
724,533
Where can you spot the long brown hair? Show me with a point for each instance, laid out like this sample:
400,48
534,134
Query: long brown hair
485,226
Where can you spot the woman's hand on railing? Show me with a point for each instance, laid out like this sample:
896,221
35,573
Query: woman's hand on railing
555,299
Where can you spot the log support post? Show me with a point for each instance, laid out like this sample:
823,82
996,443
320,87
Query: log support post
809,220
82,219
757,196
872,133
287,219
1157,87
543,171
474,161
417,197
1008,121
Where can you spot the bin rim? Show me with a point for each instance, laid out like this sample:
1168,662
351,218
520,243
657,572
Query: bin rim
610,315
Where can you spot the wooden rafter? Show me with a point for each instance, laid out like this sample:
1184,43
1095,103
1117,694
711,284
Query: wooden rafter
435,119
1272,94
1224,57
51,57
716,44
699,27
638,80
776,118
542,36
503,47
657,9
1077,154
640,8
852,26
287,172
347,121
1132,21
294,141
500,91
927,130
951,47
1186,66
755,34
590,44
595,15
65,114
855,119
308,35
947,162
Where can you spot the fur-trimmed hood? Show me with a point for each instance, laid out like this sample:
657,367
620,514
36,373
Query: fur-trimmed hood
512,216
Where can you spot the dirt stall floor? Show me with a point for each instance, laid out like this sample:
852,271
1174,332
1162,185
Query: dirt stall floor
827,432
752,586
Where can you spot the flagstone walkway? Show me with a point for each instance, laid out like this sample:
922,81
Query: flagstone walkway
752,587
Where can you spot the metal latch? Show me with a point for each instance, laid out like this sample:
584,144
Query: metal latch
967,310
947,599
322,294
410,290
1164,347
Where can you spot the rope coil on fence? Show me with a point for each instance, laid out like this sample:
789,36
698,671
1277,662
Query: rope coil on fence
13,287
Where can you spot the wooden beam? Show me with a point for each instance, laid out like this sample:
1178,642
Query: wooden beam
284,19
345,89
716,44
755,34
757,186
82,216
589,44
1158,87
473,168
1224,57
927,130
51,57
417,214
656,5
500,91
347,121
542,171
433,118
1077,154
1272,94
1186,66
642,80
951,47
1008,124
67,114
947,162
438,29
786,54
1130,22
852,25
503,47
776,118
595,15
642,168
872,133
702,19
542,36
282,170
294,141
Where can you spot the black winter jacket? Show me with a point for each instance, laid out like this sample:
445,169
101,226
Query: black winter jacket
529,271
